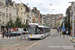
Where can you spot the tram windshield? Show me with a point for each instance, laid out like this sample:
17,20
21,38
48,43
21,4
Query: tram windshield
35,30
32,29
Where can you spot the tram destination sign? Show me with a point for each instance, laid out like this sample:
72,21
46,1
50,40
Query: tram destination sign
32,25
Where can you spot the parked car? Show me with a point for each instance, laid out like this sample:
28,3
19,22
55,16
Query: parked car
7,34
24,32
15,33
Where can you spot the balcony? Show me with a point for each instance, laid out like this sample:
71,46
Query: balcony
28,17
10,14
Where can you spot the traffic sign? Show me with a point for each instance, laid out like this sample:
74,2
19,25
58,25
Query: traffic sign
63,28
0,20
63,25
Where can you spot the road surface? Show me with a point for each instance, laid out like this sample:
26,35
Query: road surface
54,42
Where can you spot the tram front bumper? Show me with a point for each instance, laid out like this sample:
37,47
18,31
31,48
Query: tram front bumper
35,36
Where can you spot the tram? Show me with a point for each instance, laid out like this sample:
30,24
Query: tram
38,31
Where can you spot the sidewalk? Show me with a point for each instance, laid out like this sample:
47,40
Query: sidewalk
5,37
0,36
73,40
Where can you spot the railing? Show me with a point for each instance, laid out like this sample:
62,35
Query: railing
23,37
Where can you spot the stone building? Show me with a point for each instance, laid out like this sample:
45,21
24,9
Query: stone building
52,20
2,14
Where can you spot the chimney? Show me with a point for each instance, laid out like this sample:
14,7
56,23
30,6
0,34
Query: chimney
14,3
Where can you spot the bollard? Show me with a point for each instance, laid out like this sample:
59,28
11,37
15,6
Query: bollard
17,38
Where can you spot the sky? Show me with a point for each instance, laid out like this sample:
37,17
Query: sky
45,7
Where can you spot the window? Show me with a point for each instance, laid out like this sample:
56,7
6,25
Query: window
24,20
17,12
13,19
32,30
6,12
21,19
9,14
14,11
21,8
21,13
24,14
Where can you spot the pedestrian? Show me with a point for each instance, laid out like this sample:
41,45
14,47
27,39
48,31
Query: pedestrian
67,32
60,29
57,30
10,34
3,34
64,32
7,34
60,33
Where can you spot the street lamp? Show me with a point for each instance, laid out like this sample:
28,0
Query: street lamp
72,19
52,10
9,25
10,28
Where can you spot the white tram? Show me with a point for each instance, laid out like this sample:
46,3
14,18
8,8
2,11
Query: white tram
37,31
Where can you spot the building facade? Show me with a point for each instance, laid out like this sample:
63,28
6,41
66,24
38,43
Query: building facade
36,13
69,15
2,14
59,21
22,12
52,20
15,13
43,19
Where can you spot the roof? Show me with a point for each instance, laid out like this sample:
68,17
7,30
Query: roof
60,18
27,8
8,1
33,23
40,26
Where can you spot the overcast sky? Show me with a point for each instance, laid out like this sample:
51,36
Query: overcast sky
44,6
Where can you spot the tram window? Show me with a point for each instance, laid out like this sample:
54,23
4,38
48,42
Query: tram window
48,30
45,30
37,31
40,30
31,30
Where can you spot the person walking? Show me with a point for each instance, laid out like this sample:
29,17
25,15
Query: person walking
60,32
57,30
67,32
7,34
63,33
3,34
